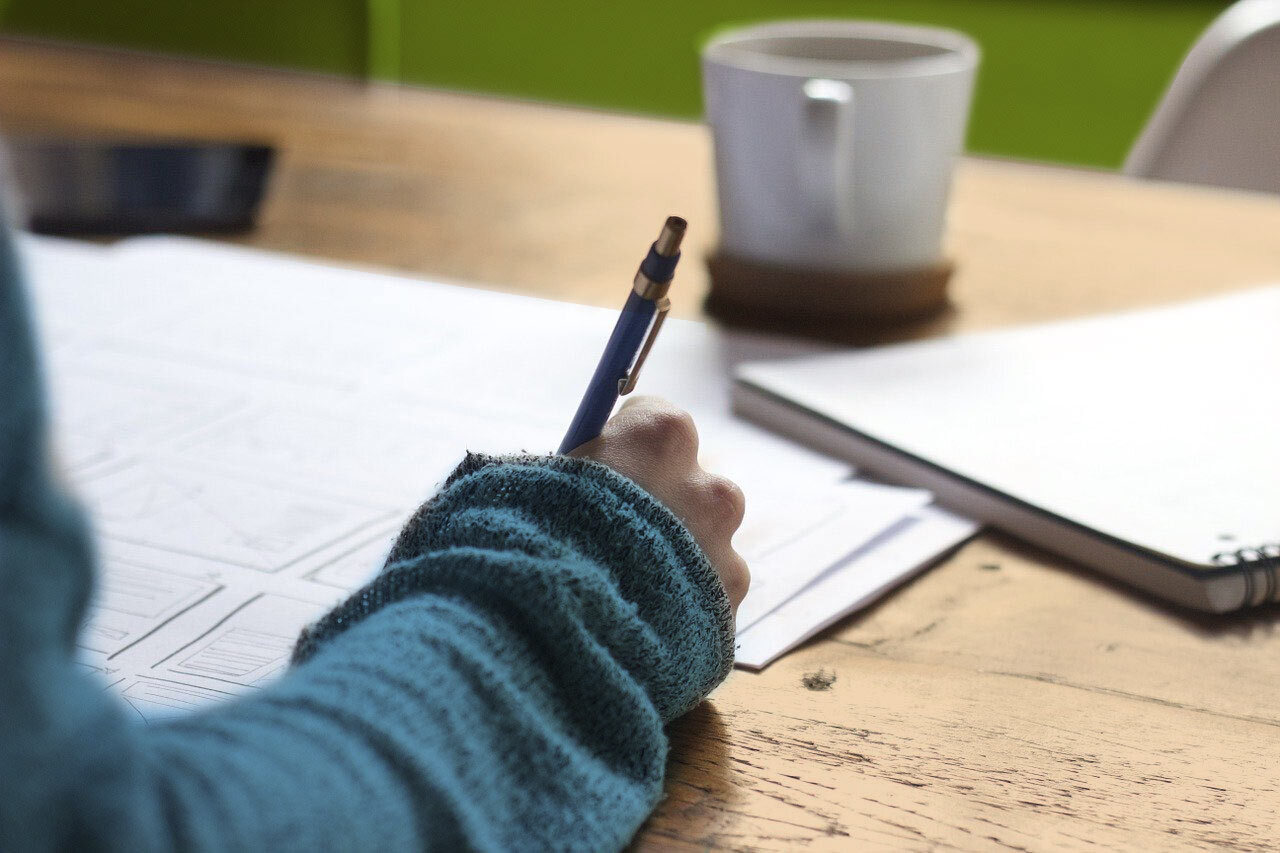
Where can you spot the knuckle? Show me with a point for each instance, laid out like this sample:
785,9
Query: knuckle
671,430
728,503
736,577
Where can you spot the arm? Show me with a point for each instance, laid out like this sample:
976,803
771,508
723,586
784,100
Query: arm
502,685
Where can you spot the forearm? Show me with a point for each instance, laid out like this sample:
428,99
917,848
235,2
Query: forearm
503,685
603,557
428,727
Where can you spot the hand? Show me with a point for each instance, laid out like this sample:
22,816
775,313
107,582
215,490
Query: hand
655,444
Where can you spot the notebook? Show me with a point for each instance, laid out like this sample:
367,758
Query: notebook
1145,445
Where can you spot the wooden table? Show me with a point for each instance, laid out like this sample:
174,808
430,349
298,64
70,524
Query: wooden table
1005,699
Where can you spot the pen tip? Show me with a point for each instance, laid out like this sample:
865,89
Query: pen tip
668,242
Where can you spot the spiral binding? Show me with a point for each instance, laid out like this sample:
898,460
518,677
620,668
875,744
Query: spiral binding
1264,558
1266,554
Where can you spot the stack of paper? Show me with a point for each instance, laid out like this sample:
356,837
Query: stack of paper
250,430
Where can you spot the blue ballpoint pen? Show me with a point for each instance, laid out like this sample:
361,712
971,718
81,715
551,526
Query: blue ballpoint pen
646,308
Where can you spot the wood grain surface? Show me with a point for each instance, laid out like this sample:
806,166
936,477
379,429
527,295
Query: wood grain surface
1004,700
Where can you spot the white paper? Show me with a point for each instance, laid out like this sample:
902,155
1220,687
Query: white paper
249,431
796,535
864,576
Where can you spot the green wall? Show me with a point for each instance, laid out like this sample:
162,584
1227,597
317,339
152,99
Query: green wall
324,35
1063,81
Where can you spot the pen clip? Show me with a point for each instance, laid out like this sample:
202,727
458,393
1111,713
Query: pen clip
627,383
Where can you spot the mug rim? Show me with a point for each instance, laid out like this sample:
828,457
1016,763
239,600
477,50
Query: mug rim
959,51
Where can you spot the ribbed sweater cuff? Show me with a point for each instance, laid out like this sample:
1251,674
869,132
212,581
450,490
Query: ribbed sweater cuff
583,509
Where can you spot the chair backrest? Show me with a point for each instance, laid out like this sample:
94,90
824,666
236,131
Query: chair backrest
1219,122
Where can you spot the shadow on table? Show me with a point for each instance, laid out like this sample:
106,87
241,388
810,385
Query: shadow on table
1238,623
698,785
1245,624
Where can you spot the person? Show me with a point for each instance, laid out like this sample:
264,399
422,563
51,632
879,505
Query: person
502,684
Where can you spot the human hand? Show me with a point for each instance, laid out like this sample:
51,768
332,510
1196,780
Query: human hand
655,444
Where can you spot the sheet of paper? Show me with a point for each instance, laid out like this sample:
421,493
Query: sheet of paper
794,535
865,575
250,430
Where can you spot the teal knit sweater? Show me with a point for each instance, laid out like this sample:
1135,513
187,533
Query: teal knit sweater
503,684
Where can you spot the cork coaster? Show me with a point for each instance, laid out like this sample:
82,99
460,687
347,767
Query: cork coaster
801,301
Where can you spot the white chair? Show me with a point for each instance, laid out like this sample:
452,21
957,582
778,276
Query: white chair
1219,122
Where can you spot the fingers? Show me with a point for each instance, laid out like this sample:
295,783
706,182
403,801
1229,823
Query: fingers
735,576
645,429
725,503
656,444
715,511
664,429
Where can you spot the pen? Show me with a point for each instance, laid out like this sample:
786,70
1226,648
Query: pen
628,346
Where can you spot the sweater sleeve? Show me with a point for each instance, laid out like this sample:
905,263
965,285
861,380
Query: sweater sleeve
502,684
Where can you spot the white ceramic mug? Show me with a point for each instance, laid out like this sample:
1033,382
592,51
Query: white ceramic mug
835,141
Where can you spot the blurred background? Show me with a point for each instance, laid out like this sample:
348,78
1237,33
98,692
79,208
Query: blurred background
1068,81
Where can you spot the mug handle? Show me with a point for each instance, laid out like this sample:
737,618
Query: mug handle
826,149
